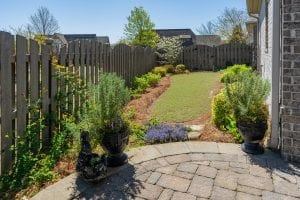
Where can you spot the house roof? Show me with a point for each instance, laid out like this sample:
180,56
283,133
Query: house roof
253,6
103,39
184,33
65,38
70,37
211,40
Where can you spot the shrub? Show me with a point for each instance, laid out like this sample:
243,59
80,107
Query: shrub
162,133
140,84
162,71
231,73
247,97
222,116
170,68
220,110
138,130
152,78
105,104
180,68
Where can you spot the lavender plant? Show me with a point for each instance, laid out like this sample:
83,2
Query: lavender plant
162,133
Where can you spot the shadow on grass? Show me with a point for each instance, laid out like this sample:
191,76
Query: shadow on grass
121,185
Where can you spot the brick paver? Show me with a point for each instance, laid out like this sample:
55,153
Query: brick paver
200,170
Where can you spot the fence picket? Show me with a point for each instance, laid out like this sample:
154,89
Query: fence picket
45,58
204,57
21,72
6,51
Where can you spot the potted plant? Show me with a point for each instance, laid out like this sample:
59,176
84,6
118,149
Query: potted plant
247,98
104,116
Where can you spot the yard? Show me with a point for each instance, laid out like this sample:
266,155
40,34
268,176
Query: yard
188,98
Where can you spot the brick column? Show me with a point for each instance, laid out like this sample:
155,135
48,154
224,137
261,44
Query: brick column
291,80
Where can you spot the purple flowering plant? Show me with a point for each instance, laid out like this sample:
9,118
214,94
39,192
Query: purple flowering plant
162,133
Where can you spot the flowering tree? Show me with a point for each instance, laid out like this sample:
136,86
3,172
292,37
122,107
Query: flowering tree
168,49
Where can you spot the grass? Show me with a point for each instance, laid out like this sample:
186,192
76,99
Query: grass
188,97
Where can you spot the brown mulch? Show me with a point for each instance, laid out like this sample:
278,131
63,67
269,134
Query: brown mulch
66,166
141,105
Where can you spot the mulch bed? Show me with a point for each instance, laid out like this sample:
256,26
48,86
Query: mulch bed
141,105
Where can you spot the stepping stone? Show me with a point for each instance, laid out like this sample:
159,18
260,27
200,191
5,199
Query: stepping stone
193,135
195,128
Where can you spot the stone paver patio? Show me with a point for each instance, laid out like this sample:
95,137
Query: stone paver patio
188,171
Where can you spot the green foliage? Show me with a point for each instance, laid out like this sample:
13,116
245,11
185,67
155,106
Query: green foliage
146,38
162,71
153,122
152,79
140,84
139,29
222,116
220,110
104,105
34,165
231,73
230,126
168,49
138,130
247,97
170,68
238,35
180,68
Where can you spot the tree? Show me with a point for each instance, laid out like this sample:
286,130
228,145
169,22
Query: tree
207,29
23,30
42,22
230,19
139,29
168,49
237,36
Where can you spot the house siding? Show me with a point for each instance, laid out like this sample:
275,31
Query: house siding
265,57
268,69
290,141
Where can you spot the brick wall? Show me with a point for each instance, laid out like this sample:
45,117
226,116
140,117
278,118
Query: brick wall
291,80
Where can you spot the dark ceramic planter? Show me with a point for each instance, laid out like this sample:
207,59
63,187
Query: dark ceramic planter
114,145
252,134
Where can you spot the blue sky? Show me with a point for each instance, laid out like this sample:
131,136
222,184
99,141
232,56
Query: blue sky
107,17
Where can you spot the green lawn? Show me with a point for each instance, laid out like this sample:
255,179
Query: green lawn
188,97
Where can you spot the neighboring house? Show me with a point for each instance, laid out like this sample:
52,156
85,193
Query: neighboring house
187,36
63,39
209,40
278,59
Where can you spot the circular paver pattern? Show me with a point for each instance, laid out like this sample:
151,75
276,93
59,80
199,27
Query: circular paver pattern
194,171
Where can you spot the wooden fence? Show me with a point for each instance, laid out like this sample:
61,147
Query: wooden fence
26,72
202,57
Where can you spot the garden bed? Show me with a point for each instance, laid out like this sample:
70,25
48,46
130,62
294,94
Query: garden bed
141,104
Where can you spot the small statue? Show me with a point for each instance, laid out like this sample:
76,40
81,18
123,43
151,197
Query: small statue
90,166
